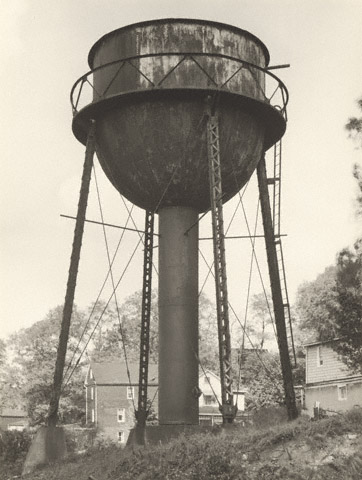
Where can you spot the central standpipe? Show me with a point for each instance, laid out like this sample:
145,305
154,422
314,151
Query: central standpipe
178,316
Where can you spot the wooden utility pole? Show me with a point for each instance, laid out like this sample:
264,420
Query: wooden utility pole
72,278
276,291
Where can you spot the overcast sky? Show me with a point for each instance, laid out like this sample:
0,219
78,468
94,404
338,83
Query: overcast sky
44,47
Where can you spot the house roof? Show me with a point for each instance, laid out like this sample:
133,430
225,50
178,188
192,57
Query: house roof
115,373
312,341
208,409
13,412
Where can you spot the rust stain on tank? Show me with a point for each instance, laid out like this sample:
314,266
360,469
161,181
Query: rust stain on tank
152,137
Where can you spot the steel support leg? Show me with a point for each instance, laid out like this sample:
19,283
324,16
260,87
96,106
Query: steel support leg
72,278
145,321
276,291
228,409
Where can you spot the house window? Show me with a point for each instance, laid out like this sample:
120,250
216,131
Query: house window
93,415
342,392
121,415
209,399
92,393
206,421
319,356
130,393
121,437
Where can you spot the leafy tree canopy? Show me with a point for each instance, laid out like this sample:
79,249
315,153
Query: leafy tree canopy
349,317
33,351
317,305
27,380
354,125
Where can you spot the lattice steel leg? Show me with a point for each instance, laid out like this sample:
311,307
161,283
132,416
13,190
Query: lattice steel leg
276,291
228,409
142,410
72,278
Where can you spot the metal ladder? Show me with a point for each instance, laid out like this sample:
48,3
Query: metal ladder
142,411
228,409
275,181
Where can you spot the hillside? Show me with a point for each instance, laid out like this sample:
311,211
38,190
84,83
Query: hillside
327,449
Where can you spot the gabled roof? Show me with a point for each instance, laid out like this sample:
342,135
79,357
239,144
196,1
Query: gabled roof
13,412
311,342
115,373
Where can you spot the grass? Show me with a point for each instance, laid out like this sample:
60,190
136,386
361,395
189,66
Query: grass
285,450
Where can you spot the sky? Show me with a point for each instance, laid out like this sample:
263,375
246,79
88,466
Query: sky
43,51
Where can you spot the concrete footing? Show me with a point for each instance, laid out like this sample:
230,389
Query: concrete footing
47,446
156,434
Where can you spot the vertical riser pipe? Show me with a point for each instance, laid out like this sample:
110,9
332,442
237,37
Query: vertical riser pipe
178,316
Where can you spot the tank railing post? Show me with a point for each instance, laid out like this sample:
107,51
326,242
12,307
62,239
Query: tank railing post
72,278
192,56
228,409
142,411
276,291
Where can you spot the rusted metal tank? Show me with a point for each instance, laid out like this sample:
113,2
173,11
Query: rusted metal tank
152,81
153,85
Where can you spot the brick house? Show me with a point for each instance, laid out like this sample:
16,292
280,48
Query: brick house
330,385
111,398
13,419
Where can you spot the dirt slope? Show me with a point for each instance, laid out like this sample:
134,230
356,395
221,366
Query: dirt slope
328,449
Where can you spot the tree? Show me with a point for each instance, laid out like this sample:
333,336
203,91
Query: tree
34,352
263,378
208,335
357,174
330,307
349,316
260,327
317,305
108,338
354,125
118,333
9,390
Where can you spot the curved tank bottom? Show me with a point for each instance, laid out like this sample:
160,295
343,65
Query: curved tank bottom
155,153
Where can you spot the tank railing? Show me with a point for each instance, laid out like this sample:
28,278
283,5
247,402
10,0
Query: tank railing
77,93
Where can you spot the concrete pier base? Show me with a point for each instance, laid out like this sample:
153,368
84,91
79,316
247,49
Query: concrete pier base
47,446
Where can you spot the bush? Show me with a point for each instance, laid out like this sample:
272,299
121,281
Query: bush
14,445
269,416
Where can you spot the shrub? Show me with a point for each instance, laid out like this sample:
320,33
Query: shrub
269,416
14,445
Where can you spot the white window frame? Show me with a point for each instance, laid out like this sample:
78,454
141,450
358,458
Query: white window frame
93,415
319,356
121,412
92,393
130,393
210,400
120,436
340,388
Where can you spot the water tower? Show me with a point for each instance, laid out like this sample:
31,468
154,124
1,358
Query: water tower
169,98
